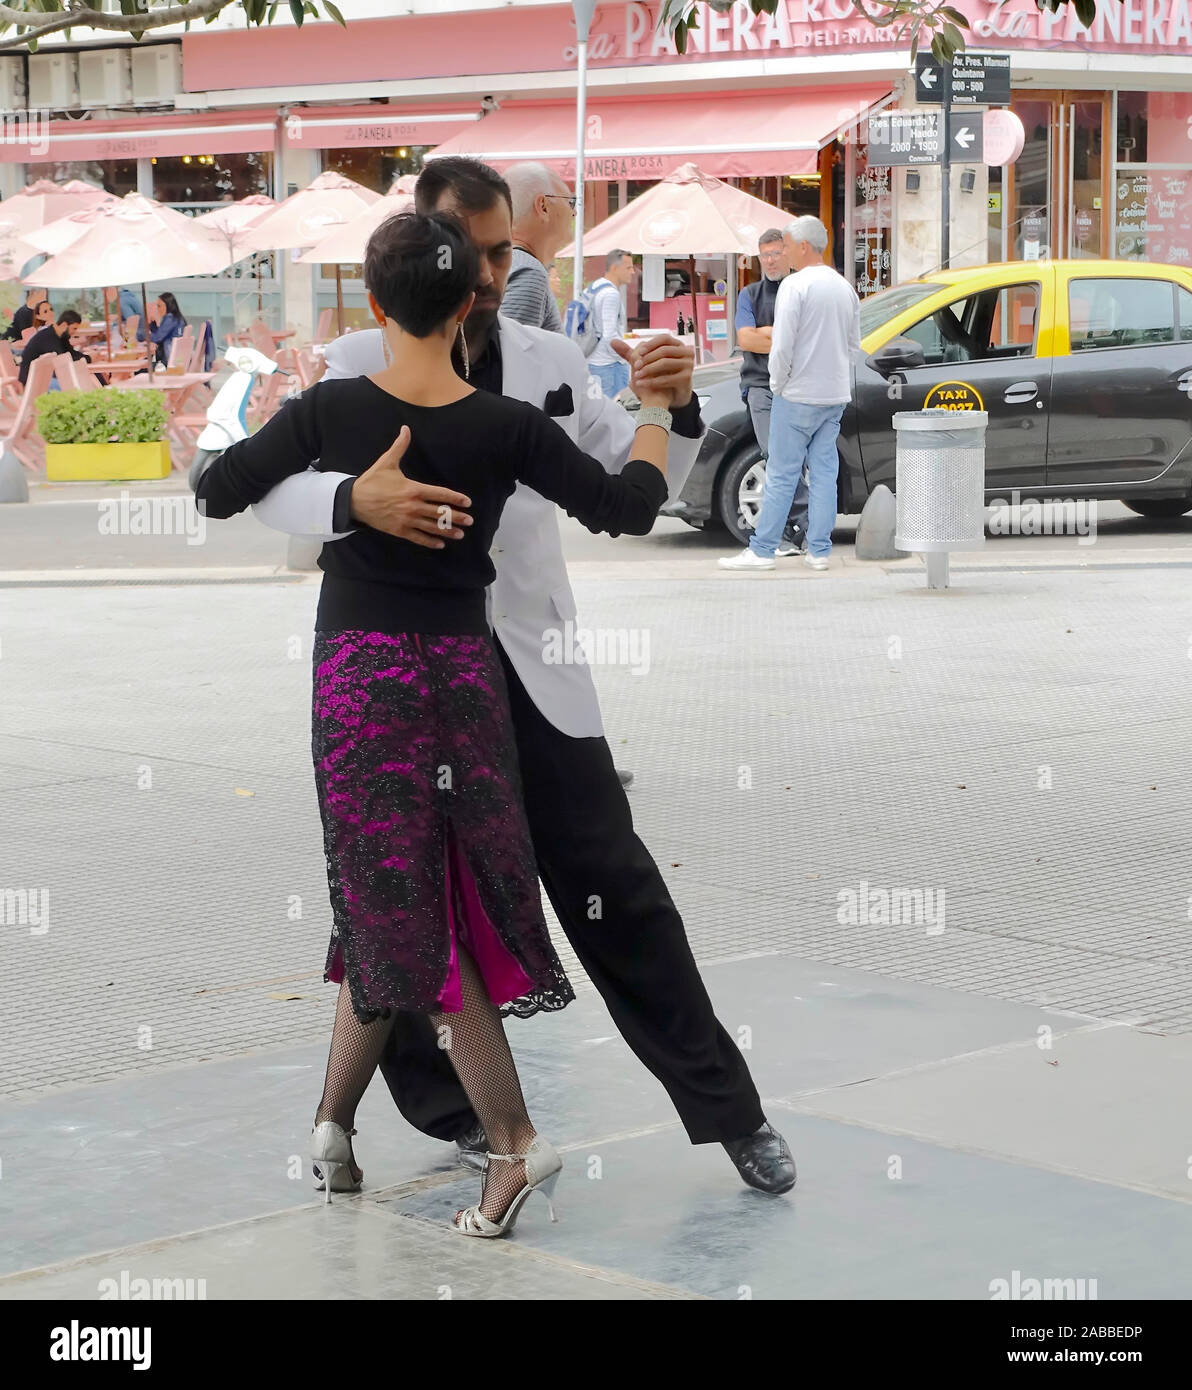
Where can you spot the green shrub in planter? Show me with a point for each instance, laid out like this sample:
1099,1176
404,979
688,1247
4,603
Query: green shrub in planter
103,416
104,434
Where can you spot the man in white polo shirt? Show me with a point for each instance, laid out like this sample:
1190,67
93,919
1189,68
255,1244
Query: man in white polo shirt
817,324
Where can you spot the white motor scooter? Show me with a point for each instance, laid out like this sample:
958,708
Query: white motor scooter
226,422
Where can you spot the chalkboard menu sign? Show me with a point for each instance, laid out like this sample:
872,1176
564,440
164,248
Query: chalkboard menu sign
1153,220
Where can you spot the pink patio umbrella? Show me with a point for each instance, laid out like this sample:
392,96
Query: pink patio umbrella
345,244
45,201
129,240
688,214
232,222
14,252
307,216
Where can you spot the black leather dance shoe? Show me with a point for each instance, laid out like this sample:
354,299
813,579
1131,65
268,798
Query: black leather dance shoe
764,1160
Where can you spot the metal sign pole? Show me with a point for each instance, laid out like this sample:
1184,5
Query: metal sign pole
583,10
946,173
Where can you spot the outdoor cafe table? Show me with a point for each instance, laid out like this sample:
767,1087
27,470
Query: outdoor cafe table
117,366
178,384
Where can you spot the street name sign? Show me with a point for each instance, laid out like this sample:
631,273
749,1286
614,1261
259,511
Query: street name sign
906,137
977,79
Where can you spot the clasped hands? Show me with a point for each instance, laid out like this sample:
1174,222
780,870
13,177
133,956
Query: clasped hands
659,370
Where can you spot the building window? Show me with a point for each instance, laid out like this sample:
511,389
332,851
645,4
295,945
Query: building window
872,225
201,181
118,176
376,168
1153,177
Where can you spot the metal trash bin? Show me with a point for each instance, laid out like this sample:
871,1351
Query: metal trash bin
940,485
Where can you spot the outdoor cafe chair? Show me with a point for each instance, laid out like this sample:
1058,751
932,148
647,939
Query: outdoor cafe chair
22,437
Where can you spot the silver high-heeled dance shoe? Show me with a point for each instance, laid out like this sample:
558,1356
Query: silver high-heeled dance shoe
331,1150
543,1166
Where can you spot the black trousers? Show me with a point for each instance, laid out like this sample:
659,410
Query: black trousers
633,946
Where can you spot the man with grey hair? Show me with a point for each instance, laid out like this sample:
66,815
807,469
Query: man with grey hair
543,215
754,324
817,324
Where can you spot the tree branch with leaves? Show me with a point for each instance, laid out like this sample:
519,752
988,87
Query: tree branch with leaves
32,20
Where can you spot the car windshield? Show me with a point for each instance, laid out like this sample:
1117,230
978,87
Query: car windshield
881,308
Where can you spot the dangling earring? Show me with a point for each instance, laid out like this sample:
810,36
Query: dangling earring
463,349
385,347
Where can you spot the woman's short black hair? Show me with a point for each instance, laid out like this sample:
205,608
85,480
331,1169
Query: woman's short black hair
420,269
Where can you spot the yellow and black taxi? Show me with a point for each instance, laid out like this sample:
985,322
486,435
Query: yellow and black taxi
1084,368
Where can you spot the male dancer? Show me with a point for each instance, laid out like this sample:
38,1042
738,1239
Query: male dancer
635,949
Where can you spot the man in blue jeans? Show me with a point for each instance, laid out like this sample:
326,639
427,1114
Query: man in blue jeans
817,325
608,311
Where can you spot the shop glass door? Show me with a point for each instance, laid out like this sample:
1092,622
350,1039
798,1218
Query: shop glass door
1057,188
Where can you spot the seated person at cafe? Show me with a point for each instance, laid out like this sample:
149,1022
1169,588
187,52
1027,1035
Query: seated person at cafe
43,314
166,322
54,337
23,316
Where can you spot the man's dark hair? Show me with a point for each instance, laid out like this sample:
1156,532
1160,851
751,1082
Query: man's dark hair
615,258
471,185
69,316
769,235
420,269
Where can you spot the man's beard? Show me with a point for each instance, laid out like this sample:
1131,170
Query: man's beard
481,320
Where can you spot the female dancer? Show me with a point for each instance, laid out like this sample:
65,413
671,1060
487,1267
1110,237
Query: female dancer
432,875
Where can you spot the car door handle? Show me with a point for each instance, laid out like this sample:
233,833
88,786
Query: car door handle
1021,392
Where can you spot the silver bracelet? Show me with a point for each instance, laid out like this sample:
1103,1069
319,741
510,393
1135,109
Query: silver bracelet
654,415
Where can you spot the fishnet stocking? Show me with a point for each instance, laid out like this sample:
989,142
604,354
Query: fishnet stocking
479,1052
475,1042
356,1050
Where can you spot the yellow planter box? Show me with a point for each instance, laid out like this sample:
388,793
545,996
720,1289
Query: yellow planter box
103,462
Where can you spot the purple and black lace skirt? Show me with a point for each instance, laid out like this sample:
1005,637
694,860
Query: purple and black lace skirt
424,827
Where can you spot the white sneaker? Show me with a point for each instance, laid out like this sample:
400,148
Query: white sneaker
747,560
816,562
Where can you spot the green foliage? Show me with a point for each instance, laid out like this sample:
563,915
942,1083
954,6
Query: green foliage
104,416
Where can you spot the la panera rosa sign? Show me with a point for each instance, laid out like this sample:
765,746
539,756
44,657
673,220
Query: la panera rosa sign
632,35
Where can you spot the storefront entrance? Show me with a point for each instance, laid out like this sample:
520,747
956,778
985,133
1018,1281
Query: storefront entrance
1059,195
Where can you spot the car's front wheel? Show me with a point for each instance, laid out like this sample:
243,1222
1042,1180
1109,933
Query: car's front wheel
1159,508
739,492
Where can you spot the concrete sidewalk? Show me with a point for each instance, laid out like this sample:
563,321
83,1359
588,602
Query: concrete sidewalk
927,847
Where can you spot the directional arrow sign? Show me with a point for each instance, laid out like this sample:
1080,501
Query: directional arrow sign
930,79
966,140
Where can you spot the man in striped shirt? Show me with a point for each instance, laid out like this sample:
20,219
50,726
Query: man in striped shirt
543,216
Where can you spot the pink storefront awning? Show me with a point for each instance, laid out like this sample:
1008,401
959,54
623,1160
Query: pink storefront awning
728,134
341,127
47,142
